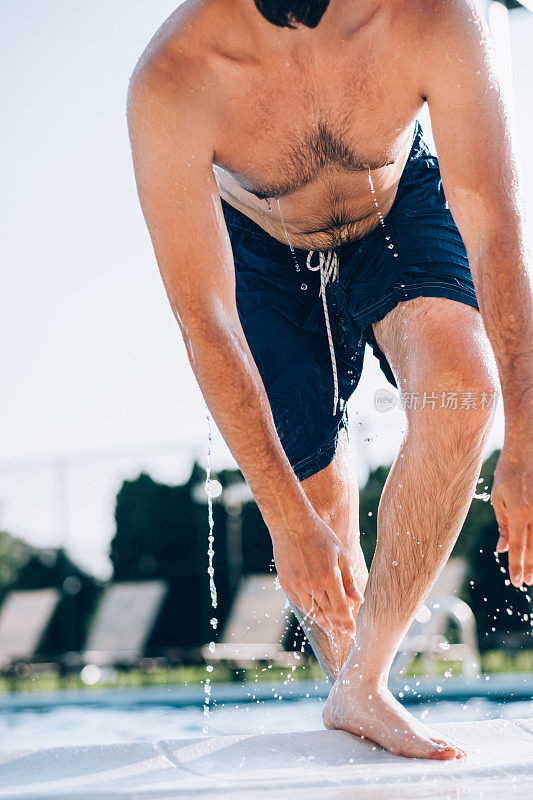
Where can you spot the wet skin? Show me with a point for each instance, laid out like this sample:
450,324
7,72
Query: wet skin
415,531
224,104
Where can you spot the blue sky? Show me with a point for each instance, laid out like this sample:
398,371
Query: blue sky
93,362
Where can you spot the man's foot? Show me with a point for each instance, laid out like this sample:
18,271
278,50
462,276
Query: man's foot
376,715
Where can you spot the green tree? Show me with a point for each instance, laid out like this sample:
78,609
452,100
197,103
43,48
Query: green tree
14,553
25,567
50,567
502,612
161,532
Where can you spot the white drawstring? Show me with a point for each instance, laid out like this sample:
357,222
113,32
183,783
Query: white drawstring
329,270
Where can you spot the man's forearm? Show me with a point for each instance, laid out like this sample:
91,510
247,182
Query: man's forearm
233,389
504,288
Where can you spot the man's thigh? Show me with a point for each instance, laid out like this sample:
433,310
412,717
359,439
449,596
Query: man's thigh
295,368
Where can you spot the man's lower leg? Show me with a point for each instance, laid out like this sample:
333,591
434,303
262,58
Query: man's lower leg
334,495
422,509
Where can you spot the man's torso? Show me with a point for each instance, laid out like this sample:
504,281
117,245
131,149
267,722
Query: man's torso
324,129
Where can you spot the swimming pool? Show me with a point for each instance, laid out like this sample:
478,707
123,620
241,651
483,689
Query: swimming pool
121,716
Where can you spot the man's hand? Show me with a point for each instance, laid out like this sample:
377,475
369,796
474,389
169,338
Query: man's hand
512,499
314,571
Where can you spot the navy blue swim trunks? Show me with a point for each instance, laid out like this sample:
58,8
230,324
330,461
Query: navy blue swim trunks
310,352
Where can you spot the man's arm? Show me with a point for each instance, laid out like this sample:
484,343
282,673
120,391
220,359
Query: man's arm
476,154
170,115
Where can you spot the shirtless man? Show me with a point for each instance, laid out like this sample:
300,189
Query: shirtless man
296,214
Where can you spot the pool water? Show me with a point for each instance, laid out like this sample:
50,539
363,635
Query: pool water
52,726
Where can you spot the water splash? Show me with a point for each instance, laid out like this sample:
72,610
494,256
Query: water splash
210,568
296,264
207,690
210,538
390,244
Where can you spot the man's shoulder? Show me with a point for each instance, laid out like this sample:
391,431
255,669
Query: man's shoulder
178,58
435,11
444,18
443,34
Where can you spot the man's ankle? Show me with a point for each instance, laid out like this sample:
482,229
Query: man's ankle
362,680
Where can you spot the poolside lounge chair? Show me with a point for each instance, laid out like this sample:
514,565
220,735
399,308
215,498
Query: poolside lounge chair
256,626
123,623
427,635
24,618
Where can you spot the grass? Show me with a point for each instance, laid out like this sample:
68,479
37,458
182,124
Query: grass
173,676
494,661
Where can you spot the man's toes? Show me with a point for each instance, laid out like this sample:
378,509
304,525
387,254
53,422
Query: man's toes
443,752
460,753
425,748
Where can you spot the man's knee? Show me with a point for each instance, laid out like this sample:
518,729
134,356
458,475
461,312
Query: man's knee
441,356
454,404
445,368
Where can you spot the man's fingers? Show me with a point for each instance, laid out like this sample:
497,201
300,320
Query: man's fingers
500,511
336,615
348,579
340,604
300,600
518,525
528,558
321,620
332,609
502,544
309,613
318,616
314,613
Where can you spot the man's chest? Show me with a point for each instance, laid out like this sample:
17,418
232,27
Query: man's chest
280,136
